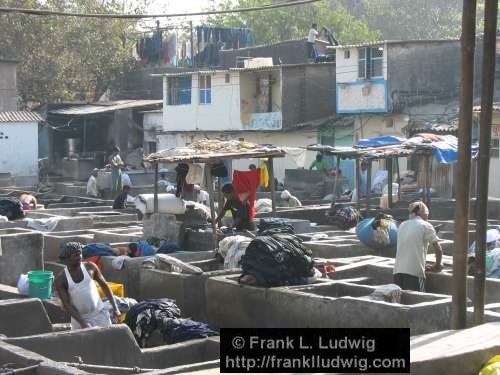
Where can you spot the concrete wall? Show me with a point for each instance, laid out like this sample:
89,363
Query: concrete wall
116,346
355,94
8,85
288,52
324,304
188,291
23,318
16,137
422,72
223,113
20,253
308,93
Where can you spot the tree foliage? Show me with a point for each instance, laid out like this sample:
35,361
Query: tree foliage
66,58
279,24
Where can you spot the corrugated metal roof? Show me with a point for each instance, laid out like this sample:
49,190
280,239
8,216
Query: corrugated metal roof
221,71
381,42
102,107
20,116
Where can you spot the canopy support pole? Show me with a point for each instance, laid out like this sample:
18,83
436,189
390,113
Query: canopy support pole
398,171
272,185
389,182
358,184
335,181
156,189
368,186
210,188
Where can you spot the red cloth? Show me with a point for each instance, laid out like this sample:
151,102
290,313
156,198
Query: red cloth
96,259
247,182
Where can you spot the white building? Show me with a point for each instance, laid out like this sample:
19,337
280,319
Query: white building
281,105
19,146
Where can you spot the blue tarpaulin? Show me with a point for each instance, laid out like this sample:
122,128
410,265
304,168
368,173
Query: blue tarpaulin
386,140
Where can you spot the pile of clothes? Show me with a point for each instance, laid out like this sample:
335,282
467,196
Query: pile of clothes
163,315
345,217
232,249
276,260
11,208
269,226
379,232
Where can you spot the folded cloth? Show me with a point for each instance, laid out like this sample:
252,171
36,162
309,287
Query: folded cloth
43,225
179,264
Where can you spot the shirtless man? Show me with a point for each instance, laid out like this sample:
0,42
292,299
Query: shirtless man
78,292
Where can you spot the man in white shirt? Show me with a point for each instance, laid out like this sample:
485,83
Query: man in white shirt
311,40
92,185
414,237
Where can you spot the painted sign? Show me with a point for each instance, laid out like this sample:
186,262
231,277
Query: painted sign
495,131
264,121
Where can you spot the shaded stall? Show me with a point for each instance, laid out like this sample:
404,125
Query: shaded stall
423,146
211,152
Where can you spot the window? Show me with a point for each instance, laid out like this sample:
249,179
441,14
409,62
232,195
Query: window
228,78
389,123
370,61
495,148
152,147
347,54
205,89
179,90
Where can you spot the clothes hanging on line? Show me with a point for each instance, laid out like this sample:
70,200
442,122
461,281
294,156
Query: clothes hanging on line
247,182
210,40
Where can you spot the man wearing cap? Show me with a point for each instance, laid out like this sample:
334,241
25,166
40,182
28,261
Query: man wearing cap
414,237
78,291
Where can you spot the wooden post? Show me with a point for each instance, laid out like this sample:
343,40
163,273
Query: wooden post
272,186
398,172
488,82
462,183
426,180
358,184
389,182
429,180
84,147
336,181
210,188
155,209
368,186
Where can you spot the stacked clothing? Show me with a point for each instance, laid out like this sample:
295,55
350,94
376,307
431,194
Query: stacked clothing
276,260
163,315
345,218
269,226
232,249
11,208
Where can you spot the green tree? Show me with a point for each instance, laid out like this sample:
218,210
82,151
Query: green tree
279,24
413,19
66,58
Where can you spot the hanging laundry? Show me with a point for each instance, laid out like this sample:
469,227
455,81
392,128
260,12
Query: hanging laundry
195,174
172,48
264,175
247,182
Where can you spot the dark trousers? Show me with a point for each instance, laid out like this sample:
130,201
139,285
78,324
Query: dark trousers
310,50
409,282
